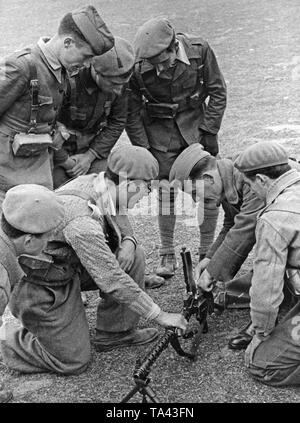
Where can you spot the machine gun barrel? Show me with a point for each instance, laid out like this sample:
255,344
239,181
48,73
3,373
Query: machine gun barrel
143,370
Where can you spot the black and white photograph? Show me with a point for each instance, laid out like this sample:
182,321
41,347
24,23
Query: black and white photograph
150,204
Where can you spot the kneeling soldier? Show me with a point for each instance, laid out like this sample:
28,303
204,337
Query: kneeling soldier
30,213
94,248
273,356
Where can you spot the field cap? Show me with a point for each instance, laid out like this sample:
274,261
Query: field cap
117,62
133,162
185,162
152,39
93,28
260,155
32,208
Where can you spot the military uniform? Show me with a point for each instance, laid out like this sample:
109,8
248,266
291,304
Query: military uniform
195,78
32,83
168,112
94,121
15,111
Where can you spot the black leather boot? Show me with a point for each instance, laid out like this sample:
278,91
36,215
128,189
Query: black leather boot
241,340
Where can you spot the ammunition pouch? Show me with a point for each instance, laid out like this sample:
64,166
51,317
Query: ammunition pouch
27,145
293,281
161,110
170,110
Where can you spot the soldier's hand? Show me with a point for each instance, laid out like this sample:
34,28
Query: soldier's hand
210,142
205,282
174,320
82,165
126,254
200,267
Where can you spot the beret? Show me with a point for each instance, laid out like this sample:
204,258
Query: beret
153,38
133,162
93,28
32,208
118,61
185,162
260,155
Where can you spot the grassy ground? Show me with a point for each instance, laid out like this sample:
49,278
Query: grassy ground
257,47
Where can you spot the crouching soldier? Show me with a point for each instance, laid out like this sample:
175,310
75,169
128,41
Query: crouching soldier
218,182
273,356
30,213
94,113
90,250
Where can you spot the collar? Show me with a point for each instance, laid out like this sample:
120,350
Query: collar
226,170
181,54
50,57
280,184
104,200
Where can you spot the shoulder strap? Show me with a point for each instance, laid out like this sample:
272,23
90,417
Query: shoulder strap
97,112
143,89
34,89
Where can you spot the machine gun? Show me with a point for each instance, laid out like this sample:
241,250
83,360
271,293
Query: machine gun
199,304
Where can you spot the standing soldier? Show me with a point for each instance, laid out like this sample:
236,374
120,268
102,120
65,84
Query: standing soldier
175,75
94,113
30,213
32,83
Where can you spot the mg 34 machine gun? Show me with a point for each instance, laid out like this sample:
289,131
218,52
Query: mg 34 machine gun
198,304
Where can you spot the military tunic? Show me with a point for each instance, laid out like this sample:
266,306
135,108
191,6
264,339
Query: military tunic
196,77
15,110
94,120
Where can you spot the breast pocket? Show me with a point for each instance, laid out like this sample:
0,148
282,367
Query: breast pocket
47,109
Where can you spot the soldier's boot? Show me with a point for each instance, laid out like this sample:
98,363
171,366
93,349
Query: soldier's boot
153,281
5,395
107,341
167,266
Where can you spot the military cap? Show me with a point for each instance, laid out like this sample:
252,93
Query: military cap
260,155
153,38
32,208
185,162
117,62
93,28
133,162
